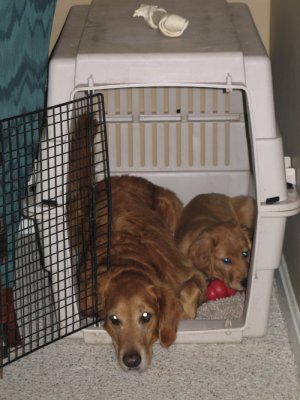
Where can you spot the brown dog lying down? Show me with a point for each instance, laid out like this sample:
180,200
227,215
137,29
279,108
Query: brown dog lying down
215,231
147,289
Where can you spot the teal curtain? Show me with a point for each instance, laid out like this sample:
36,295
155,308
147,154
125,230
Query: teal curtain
25,28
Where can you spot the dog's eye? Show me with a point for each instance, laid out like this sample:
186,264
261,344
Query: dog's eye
114,320
226,260
145,317
245,253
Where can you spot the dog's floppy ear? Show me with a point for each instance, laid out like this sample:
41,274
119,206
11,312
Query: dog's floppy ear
246,210
170,312
200,253
249,232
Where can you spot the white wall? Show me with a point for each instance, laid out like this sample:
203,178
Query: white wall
285,57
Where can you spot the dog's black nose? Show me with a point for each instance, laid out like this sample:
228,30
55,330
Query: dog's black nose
132,359
244,282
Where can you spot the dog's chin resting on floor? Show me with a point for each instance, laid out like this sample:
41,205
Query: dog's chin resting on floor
148,287
215,232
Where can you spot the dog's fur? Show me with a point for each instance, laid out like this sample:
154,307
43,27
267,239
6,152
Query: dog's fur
147,288
215,232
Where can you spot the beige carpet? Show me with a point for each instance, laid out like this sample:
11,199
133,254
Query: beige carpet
256,369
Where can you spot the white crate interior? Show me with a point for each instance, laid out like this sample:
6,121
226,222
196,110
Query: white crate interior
193,114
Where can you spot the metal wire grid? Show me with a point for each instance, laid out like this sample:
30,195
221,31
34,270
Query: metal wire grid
39,300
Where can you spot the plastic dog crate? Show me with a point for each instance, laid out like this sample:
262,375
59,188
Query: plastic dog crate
194,114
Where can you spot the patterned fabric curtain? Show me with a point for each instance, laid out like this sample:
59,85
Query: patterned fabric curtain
25,30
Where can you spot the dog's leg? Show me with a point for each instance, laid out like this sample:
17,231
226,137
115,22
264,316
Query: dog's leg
189,299
192,294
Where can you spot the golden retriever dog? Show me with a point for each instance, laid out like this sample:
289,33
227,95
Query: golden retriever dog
147,288
215,232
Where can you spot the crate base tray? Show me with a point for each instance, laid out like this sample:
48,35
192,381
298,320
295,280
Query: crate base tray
188,332
217,322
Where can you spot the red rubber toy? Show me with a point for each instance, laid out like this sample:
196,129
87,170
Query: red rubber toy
217,289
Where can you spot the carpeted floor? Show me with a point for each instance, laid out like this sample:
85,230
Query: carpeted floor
256,369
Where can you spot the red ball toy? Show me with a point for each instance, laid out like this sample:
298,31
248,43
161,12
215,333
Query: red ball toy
217,289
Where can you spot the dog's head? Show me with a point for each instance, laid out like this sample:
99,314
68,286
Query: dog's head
223,252
136,313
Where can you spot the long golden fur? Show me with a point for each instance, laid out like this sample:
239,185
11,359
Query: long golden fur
148,288
215,232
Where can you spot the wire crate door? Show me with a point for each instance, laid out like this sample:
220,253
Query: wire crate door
49,223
